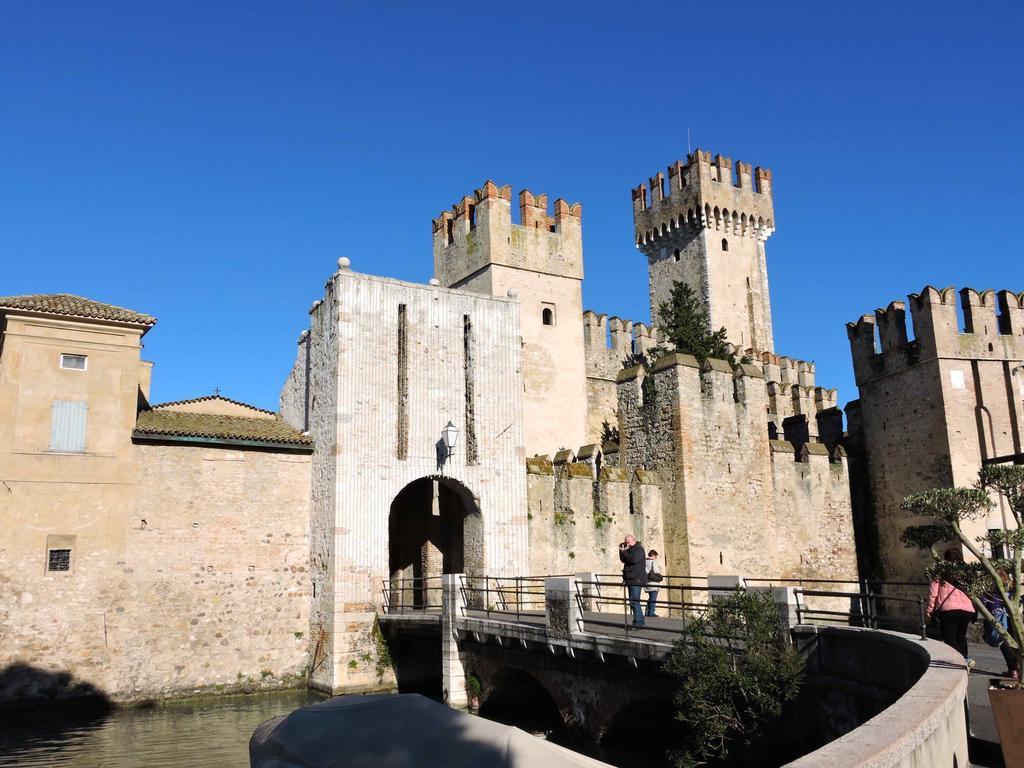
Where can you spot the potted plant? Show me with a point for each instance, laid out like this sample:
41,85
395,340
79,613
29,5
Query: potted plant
1000,578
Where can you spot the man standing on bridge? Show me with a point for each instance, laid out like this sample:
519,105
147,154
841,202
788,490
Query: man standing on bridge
634,575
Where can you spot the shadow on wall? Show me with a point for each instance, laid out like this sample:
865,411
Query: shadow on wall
22,685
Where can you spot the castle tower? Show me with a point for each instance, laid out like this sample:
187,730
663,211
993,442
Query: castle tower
540,261
708,229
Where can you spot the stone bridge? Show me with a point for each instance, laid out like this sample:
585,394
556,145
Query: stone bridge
561,649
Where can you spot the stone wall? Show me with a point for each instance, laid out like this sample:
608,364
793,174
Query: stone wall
934,407
377,411
309,401
539,261
578,519
193,577
708,229
732,500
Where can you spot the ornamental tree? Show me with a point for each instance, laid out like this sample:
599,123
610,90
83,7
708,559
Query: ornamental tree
949,509
736,669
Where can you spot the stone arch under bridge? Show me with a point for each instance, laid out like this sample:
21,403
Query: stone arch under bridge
434,527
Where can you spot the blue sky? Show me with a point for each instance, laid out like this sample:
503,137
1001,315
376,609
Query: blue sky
209,162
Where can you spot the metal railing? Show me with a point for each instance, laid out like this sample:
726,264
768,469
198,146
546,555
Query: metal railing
521,599
418,594
508,597
673,600
864,610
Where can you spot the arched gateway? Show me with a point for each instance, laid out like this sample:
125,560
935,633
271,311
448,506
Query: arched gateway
434,527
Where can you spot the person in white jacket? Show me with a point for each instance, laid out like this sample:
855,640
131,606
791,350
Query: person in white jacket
653,583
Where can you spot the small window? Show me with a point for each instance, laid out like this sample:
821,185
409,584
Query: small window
73,362
58,560
547,316
725,244
676,256
58,553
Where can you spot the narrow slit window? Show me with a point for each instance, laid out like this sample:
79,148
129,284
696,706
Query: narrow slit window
73,362
725,244
402,438
470,390
677,255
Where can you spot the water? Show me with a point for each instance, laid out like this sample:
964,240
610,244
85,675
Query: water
202,732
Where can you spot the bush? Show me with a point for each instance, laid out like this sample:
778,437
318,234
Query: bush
736,669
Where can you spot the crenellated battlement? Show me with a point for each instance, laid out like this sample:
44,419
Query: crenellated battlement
533,211
624,337
704,193
993,329
477,231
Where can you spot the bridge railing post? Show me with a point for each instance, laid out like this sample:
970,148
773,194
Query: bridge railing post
453,608
789,609
587,591
561,608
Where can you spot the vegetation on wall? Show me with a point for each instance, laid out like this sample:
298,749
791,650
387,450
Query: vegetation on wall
735,669
685,322
384,661
988,576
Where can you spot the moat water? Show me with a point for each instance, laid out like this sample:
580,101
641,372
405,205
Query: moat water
176,734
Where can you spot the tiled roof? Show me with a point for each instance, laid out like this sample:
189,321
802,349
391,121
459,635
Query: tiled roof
74,306
214,427
173,403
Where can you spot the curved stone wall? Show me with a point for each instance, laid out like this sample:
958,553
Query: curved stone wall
897,700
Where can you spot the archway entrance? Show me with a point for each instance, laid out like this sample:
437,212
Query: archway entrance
434,528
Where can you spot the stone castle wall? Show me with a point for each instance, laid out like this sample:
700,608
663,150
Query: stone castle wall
934,407
733,501
579,514
708,230
377,412
193,577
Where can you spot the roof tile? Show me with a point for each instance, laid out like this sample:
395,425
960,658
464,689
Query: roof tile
74,306
217,427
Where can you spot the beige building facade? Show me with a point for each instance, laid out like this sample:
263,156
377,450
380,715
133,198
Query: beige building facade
146,552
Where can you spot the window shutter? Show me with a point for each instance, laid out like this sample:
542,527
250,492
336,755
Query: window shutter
68,432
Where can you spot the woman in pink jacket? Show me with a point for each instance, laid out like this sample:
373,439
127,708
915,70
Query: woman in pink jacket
953,608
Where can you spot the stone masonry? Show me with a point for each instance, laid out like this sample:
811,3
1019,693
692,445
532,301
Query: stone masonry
933,408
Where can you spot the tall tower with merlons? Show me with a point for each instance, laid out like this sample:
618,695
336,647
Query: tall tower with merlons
708,229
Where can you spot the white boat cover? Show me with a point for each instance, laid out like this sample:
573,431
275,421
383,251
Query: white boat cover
399,731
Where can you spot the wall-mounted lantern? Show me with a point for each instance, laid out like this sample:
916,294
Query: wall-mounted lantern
449,435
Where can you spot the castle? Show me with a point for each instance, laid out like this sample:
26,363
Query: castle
467,438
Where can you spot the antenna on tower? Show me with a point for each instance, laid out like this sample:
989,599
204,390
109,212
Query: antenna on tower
688,149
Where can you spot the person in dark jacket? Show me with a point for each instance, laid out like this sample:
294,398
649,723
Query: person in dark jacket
634,575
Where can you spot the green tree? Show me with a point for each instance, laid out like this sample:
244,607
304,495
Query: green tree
948,509
685,323
736,669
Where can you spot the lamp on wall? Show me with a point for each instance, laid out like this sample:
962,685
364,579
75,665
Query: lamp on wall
449,435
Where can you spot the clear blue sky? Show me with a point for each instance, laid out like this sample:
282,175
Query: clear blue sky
208,162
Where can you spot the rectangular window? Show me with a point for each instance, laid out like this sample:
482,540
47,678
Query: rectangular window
73,362
58,553
58,560
67,433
